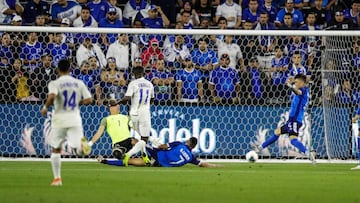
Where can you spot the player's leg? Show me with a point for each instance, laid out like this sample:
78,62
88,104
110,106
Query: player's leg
77,141
358,148
116,162
293,136
145,131
131,161
273,138
139,146
56,138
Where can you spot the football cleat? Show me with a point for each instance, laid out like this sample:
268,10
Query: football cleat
146,159
100,159
126,160
356,167
85,147
256,148
56,182
312,156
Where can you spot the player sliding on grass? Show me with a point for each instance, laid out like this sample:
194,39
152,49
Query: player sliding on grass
172,154
300,98
117,126
354,120
66,93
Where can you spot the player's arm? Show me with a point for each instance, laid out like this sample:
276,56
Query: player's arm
204,164
86,95
357,116
209,165
293,88
169,145
99,132
125,100
86,101
49,102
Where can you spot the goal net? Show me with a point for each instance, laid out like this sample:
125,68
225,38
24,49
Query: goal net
225,87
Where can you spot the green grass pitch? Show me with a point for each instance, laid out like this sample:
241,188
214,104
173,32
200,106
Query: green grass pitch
87,182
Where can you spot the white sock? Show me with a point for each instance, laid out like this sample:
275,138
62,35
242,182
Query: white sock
155,142
139,146
56,164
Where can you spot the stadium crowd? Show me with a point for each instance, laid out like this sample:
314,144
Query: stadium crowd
184,68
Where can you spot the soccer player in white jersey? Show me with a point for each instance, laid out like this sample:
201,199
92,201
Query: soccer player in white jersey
141,94
66,94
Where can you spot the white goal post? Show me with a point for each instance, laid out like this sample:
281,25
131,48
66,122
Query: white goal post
225,128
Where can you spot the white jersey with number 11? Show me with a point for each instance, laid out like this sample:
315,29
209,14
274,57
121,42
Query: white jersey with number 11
141,91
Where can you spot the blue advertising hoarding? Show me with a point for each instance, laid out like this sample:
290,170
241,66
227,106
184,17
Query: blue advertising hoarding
221,130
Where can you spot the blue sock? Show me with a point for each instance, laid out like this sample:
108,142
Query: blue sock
298,145
114,162
270,140
358,148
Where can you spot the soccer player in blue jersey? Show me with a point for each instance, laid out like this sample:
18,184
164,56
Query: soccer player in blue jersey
300,98
354,120
173,154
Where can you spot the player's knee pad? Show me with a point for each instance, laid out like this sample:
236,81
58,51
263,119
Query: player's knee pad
119,152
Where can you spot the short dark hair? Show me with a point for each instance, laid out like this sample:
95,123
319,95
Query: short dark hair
222,18
301,77
64,65
193,142
138,70
297,52
85,8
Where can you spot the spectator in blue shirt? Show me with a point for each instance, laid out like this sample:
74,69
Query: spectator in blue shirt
111,21
188,82
289,8
64,9
205,60
326,4
58,49
224,82
256,83
185,20
347,95
7,50
135,10
279,71
98,9
270,9
252,12
163,81
353,13
34,8
31,52
266,43
154,21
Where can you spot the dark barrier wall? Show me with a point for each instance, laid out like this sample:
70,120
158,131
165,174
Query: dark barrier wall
221,130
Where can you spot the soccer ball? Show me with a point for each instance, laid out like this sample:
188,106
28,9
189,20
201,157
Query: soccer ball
251,156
